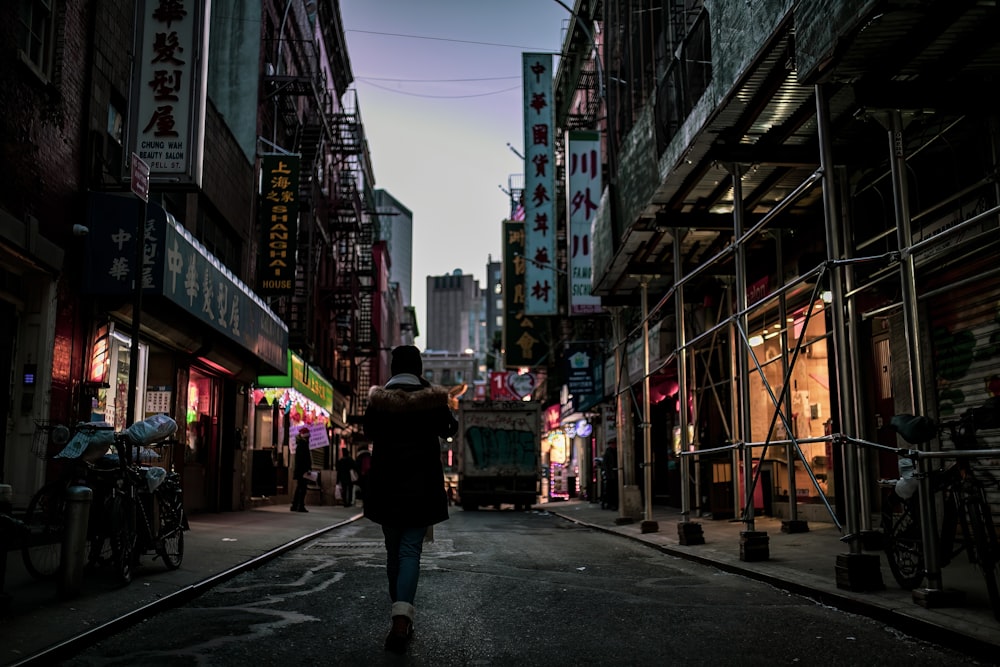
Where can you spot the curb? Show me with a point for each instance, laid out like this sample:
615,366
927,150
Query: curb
70,647
895,617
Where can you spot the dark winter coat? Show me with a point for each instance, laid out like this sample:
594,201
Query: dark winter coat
345,465
406,481
303,457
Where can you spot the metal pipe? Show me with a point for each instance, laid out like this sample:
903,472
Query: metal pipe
741,325
851,309
908,281
682,385
845,380
790,449
649,524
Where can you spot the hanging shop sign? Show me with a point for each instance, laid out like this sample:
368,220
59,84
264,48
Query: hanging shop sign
541,297
180,269
583,195
279,212
523,346
511,385
584,377
169,88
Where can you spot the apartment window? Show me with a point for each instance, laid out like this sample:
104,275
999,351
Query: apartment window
35,28
429,375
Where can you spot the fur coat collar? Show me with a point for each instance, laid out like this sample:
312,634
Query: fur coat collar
398,399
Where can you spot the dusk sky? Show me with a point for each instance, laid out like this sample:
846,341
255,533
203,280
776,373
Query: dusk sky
439,90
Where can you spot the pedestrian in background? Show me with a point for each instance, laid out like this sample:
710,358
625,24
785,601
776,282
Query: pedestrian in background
405,493
347,474
303,464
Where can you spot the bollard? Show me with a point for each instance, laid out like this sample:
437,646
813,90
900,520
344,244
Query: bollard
74,543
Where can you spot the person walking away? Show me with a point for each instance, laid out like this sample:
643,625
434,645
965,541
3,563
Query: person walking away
346,476
405,493
303,464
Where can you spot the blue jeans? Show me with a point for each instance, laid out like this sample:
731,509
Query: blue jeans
403,547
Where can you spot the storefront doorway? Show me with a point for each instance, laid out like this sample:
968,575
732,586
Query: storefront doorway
202,453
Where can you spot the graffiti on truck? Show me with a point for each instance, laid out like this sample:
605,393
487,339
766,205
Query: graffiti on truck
492,447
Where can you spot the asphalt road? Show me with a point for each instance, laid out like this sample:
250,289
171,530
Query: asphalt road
506,588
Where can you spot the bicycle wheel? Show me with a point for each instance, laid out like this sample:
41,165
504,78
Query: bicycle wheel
984,540
45,523
903,546
123,538
170,543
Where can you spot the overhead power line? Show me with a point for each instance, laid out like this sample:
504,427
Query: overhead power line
404,92
447,39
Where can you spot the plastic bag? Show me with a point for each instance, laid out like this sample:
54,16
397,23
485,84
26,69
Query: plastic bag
907,484
91,441
154,477
151,429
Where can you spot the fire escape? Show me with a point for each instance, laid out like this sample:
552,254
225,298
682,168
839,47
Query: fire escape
352,222
330,308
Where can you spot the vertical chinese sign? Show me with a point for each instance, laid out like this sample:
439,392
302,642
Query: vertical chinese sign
541,297
583,194
279,211
522,344
167,110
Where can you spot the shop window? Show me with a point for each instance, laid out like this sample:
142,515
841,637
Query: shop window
109,373
806,404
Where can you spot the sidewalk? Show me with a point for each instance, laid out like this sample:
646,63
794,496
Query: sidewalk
805,563
39,627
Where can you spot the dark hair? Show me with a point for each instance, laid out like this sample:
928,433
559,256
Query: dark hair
406,359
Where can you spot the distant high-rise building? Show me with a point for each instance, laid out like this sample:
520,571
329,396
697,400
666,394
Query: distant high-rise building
455,312
395,223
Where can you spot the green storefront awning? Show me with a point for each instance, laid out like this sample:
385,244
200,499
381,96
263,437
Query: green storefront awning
303,378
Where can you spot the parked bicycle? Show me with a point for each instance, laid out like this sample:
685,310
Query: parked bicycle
966,522
136,508
143,510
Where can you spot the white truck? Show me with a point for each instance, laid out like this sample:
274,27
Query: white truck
500,453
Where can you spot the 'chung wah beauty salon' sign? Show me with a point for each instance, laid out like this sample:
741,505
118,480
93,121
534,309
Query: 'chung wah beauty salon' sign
167,129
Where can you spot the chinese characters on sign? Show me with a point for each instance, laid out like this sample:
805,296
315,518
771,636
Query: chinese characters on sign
182,270
167,128
541,296
522,344
279,210
583,194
